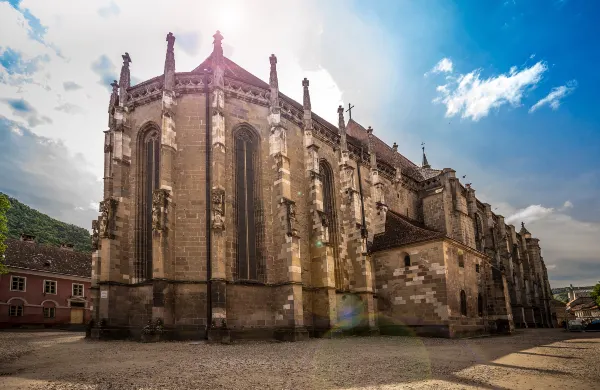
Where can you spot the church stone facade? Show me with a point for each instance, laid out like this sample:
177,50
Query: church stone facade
232,211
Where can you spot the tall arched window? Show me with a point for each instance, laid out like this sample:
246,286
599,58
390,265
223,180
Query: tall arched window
247,203
463,303
479,304
149,169
331,217
478,230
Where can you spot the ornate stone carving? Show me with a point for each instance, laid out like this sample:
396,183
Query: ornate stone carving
107,217
218,209
159,209
95,234
291,217
325,225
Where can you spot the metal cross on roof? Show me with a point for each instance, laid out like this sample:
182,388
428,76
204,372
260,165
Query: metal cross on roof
349,110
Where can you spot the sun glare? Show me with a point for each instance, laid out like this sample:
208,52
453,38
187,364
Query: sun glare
230,16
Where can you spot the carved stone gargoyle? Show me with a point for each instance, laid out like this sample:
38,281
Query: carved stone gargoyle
95,234
160,198
291,217
218,209
107,217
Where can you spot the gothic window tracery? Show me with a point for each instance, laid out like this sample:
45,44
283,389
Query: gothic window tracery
329,211
248,207
149,169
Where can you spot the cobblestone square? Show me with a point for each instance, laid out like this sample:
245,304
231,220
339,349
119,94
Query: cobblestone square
531,359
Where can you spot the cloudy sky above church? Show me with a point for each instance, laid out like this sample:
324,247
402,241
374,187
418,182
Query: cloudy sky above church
504,92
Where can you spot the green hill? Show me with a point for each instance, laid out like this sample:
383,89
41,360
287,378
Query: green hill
23,219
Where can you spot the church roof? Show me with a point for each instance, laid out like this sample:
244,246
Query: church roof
400,231
386,153
354,130
47,258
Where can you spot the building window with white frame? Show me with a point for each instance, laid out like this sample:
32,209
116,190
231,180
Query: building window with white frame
15,311
77,289
17,283
49,312
50,286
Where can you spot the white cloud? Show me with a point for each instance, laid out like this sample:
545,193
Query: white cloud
566,205
554,97
530,214
62,87
473,97
443,66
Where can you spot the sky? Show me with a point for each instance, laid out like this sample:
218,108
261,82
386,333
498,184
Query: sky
504,92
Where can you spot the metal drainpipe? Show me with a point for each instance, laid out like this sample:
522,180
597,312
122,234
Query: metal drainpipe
208,208
363,229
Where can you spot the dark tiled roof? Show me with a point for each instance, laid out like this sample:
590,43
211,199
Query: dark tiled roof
386,153
400,231
355,131
47,258
232,70
581,303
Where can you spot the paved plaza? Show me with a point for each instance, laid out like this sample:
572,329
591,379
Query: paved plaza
531,359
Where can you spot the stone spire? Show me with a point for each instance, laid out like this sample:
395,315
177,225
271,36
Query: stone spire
114,101
524,232
425,163
306,100
273,82
124,79
170,63
308,125
217,60
342,127
114,97
372,157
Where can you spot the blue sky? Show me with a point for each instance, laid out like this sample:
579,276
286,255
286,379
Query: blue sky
503,92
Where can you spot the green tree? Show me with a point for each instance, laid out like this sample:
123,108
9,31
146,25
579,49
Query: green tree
4,206
596,293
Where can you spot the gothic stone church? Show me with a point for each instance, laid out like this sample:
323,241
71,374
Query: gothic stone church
232,211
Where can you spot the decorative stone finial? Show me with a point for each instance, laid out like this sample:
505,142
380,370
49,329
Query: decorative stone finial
170,41
341,122
218,44
395,147
306,101
114,97
370,131
425,163
126,59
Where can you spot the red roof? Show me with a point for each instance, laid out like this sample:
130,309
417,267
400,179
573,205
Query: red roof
47,258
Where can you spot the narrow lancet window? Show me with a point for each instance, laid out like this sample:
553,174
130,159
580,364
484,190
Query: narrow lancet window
247,201
330,219
149,168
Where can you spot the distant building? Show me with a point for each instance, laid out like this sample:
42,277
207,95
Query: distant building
577,292
45,286
584,308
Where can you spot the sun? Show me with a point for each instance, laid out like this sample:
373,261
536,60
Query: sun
230,16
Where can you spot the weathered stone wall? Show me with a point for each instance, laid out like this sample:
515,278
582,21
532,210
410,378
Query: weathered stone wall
467,279
414,296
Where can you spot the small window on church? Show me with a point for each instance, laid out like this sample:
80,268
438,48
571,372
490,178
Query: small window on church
407,261
479,305
463,303
461,259
477,268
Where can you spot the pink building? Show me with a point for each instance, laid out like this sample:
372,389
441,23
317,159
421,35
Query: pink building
45,286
